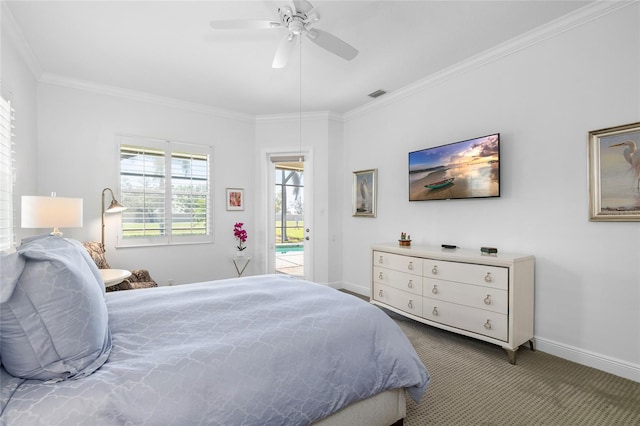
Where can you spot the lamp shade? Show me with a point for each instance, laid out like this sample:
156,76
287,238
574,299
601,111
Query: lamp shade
51,212
115,207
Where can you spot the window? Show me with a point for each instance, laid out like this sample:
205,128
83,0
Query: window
7,175
166,189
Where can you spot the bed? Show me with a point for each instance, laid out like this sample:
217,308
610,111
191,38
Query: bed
245,351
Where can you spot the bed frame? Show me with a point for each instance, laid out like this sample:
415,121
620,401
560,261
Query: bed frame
384,409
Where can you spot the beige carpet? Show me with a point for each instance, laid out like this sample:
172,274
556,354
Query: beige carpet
472,383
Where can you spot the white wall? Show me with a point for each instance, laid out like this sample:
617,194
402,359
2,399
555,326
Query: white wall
543,99
78,157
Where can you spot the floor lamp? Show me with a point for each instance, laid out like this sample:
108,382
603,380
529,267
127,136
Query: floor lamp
51,212
114,207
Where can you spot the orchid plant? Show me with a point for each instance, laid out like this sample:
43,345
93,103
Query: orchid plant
241,235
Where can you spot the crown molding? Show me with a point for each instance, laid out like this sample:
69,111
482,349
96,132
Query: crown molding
12,29
139,96
556,27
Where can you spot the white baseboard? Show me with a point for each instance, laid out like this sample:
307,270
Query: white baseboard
590,359
355,288
580,356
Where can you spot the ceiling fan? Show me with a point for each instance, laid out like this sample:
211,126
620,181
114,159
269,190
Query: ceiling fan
297,20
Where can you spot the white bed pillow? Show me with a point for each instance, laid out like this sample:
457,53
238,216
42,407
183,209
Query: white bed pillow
53,317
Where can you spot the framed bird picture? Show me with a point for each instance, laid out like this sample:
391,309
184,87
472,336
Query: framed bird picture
365,184
614,173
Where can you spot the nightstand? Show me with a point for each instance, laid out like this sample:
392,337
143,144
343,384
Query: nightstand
112,277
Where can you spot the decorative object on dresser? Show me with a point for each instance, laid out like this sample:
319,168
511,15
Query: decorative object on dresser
489,250
405,240
365,183
139,278
485,297
614,173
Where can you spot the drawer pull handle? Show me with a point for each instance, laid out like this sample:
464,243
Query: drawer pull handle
487,300
435,311
380,260
380,293
434,290
410,304
487,325
410,284
380,276
434,270
410,266
488,278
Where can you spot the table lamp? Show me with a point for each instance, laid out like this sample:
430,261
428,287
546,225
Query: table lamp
51,212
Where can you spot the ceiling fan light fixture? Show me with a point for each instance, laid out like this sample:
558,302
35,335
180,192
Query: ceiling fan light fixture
296,27
297,20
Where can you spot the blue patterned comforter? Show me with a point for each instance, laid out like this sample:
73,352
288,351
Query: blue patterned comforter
268,350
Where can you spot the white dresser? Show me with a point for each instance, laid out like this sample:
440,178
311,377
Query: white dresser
488,297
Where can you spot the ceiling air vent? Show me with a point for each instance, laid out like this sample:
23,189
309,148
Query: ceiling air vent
377,93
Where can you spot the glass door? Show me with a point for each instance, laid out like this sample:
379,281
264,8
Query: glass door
289,225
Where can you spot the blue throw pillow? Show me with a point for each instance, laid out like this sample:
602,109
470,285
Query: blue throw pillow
53,317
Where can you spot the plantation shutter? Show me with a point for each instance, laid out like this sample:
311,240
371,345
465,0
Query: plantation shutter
7,175
167,191
142,183
189,191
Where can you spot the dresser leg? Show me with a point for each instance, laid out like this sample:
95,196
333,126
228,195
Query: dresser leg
512,355
531,346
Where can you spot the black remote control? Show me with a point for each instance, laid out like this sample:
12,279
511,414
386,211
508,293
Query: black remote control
449,246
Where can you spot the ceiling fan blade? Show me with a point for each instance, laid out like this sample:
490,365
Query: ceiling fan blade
302,6
332,43
285,47
245,24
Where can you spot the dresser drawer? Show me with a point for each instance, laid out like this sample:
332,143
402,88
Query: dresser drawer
489,276
399,299
489,298
412,265
462,291
487,323
400,280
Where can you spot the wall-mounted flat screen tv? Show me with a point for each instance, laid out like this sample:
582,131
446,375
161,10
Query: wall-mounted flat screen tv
465,169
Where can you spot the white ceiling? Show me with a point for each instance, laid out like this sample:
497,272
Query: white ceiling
168,48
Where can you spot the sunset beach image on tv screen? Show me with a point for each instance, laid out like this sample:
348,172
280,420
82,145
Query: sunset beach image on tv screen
465,169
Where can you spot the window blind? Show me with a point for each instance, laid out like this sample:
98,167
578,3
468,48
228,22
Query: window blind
142,183
7,175
189,193
166,189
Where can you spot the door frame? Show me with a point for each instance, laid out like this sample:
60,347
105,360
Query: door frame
269,210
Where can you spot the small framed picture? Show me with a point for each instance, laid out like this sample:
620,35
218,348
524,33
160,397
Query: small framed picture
365,183
235,199
614,173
